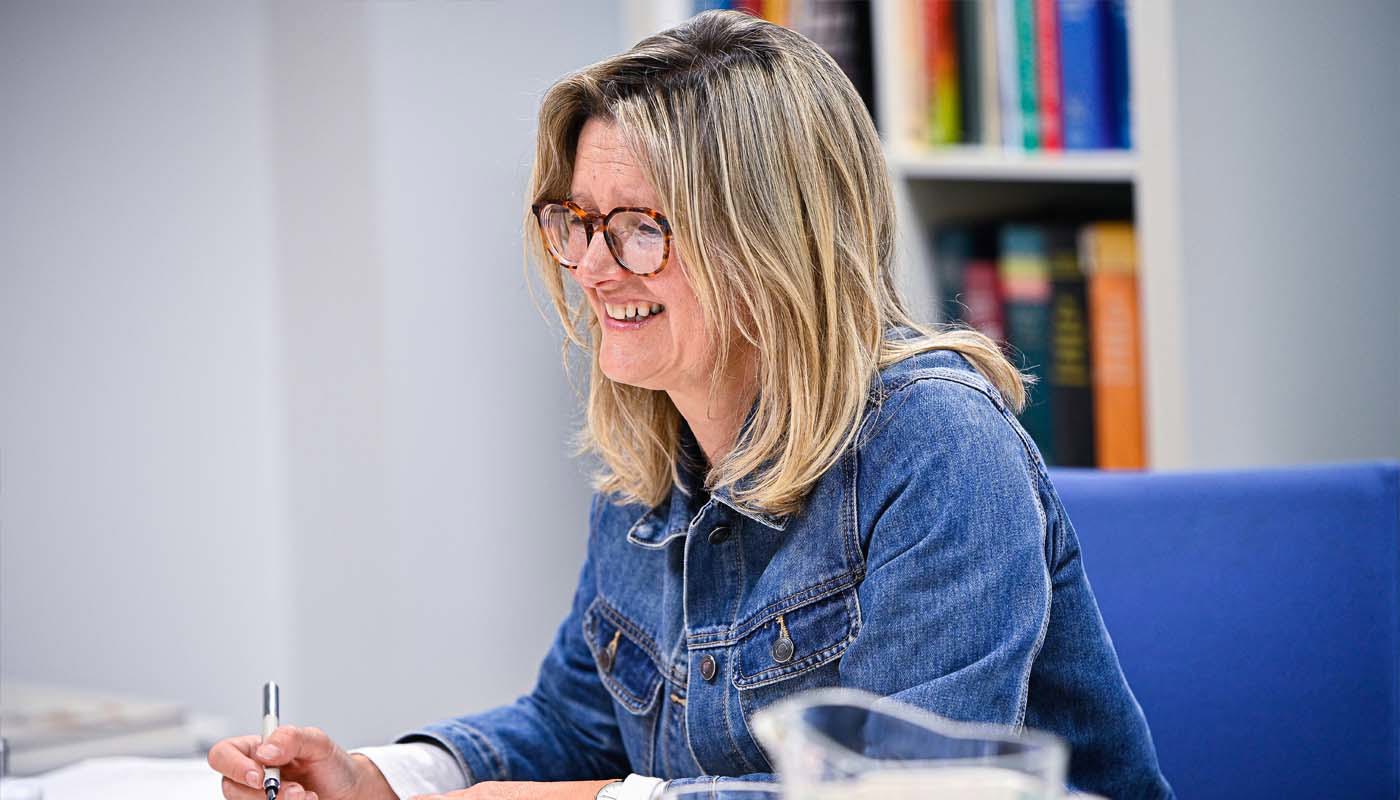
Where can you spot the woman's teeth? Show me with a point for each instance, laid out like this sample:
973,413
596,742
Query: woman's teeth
633,310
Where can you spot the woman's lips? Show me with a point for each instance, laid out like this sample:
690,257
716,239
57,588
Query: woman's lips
628,324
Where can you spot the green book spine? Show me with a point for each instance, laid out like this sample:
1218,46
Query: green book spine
1025,279
1025,64
952,247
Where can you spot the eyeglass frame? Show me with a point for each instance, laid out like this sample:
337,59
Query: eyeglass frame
592,218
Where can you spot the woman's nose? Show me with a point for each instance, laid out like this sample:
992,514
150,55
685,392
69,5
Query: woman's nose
598,264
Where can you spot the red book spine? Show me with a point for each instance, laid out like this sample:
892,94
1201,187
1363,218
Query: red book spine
1047,51
753,7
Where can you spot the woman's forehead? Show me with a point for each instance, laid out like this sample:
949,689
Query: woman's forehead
607,170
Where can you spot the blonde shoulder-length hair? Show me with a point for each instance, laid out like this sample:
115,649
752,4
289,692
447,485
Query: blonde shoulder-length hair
769,168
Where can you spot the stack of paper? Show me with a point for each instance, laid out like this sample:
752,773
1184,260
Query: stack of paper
47,727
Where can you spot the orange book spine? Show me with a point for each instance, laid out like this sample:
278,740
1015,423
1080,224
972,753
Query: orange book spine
1109,254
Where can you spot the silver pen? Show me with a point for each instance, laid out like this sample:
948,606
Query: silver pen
272,709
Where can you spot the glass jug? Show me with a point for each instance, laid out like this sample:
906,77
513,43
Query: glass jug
845,744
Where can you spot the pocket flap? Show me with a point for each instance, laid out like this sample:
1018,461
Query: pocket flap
797,639
623,656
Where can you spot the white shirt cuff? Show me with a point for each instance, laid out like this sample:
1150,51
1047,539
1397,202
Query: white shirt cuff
416,768
640,787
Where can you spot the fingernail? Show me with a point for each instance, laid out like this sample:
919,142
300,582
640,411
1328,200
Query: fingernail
267,752
252,779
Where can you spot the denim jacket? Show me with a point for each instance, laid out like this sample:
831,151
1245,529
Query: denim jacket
932,563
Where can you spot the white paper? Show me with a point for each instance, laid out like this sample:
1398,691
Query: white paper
132,779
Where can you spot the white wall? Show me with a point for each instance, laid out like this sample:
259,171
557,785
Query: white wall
274,400
1289,173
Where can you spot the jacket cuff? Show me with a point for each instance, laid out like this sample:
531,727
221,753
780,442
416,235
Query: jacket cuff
472,750
640,787
416,768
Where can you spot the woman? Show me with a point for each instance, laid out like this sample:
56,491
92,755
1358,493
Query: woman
800,486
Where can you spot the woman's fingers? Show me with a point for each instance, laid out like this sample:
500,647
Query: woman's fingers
232,758
289,791
289,743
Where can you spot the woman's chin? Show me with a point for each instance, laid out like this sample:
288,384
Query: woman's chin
627,371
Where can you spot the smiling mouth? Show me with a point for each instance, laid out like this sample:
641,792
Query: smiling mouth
632,312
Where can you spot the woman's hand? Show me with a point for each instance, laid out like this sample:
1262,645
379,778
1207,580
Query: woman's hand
313,767
524,790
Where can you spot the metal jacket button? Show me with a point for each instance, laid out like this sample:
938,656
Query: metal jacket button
609,654
782,650
719,534
707,667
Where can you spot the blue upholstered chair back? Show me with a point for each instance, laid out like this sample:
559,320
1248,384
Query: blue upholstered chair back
1257,617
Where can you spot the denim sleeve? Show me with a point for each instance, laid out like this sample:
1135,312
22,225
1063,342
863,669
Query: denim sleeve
956,599
562,730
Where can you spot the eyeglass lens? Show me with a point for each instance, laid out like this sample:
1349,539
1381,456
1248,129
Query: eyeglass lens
635,239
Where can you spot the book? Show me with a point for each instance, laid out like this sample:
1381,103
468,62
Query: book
1070,374
778,12
840,27
1024,270
1119,70
989,73
1008,76
984,303
969,70
952,247
941,58
1108,257
916,89
1087,102
969,289
1025,66
1047,62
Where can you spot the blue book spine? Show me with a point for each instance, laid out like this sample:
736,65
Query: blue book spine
1118,61
1086,96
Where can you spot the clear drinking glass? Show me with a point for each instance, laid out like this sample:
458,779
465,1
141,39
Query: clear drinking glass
727,790
842,743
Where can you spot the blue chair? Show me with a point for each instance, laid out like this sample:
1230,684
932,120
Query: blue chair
1257,617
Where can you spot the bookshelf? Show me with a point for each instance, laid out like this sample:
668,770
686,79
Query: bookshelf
1261,187
953,182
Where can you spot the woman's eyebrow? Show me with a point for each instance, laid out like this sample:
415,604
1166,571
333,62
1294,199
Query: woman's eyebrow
585,200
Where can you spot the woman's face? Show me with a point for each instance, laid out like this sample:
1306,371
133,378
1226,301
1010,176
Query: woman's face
669,350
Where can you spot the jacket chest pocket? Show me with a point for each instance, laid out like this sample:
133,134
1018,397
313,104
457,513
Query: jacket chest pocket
786,644
624,656
792,651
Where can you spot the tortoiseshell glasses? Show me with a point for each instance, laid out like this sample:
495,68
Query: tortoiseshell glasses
638,238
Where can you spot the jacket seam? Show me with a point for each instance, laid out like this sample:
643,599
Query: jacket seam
732,663
794,601
1023,699
479,740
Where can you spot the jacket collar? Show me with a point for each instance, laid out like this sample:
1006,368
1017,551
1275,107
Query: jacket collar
672,518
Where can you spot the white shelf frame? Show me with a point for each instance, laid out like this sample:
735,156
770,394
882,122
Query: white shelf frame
972,162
